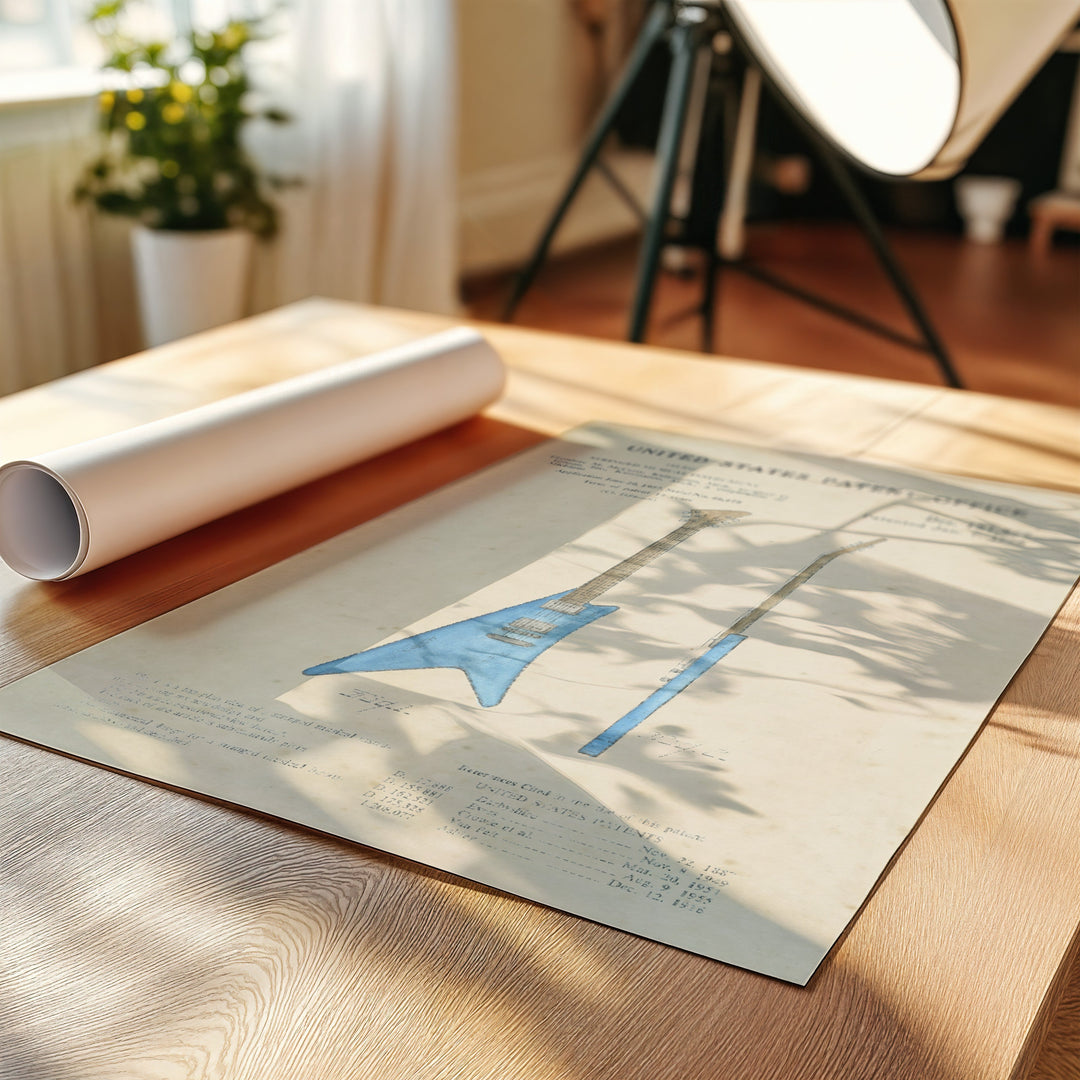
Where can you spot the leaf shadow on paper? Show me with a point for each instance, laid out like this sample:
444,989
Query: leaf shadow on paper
831,617
369,958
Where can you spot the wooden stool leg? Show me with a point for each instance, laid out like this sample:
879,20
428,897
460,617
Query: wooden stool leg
1042,232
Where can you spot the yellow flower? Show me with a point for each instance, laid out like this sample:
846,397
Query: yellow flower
135,121
135,96
233,36
180,91
172,113
106,100
170,168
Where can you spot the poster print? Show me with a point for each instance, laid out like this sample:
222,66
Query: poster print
697,692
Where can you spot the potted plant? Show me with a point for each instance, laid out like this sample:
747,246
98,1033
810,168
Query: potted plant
172,117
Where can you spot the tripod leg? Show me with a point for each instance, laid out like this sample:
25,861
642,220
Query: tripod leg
731,233
727,205
686,38
869,223
682,194
652,31
709,286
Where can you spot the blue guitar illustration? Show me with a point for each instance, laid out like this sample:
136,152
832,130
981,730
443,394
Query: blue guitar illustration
714,650
494,649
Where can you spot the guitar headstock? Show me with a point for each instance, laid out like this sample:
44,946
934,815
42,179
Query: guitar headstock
863,544
705,518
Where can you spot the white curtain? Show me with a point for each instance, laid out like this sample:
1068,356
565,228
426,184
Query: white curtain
48,310
372,89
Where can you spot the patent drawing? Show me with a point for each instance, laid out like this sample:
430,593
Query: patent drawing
493,649
714,650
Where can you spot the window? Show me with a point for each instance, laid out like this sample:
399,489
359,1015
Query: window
47,51
36,34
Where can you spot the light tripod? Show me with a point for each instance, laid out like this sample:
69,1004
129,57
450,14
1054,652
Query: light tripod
690,27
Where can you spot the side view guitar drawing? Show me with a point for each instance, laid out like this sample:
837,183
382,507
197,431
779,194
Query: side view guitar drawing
494,649
715,649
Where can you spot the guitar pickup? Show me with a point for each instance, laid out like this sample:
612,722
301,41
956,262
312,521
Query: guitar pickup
531,627
523,628
511,641
564,607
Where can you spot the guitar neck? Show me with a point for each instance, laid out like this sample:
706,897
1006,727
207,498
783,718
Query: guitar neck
791,585
600,584
737,631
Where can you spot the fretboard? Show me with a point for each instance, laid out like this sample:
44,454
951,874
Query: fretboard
699,519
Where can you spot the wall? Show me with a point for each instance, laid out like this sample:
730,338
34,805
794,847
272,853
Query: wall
66,295
530,80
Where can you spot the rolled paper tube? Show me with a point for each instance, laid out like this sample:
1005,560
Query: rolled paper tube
70,511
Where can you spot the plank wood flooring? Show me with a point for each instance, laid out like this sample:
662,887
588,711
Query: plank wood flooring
1010,318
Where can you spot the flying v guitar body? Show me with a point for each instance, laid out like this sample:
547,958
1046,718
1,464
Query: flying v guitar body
492,649
495,648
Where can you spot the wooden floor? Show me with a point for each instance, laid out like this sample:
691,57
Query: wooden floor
1010,320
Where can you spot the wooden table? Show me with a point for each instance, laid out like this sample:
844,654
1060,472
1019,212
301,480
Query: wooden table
149,934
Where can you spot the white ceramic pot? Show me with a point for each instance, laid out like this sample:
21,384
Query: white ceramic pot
986,203
189,281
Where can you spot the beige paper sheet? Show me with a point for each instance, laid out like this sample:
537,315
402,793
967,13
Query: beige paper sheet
745,817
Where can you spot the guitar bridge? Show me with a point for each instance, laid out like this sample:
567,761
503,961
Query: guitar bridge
524,628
